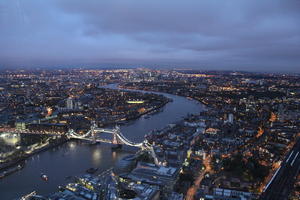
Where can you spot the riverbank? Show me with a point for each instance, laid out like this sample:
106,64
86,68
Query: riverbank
153,110
137,116
43,147
12,164
15,162
22,159
155,90
12,169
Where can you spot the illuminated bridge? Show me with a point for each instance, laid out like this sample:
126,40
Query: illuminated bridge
91,135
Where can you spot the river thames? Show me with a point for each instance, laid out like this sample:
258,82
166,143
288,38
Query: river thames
75,157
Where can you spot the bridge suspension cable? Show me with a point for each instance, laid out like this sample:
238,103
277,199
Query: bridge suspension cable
72,133
116,131
126,141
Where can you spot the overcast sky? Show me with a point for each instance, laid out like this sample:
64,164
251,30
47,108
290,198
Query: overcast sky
251,35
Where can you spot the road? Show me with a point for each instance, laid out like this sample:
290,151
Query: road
193,189
280,185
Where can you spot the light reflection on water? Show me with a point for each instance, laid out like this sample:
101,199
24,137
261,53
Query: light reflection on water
72,145
114,155
97,157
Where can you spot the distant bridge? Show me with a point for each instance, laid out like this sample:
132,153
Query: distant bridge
91,135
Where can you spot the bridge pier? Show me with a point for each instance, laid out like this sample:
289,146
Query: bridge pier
116,144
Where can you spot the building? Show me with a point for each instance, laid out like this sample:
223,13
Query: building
230,118
226,194
70,103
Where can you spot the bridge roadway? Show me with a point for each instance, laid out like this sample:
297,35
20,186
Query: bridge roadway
281,184
26,131
95,140
90,135
118,137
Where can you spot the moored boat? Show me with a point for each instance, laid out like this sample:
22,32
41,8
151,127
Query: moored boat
44,177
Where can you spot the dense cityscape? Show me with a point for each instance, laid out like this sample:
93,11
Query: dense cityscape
242,144
149,100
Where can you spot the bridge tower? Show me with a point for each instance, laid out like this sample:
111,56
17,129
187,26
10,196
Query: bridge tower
93,132
115,140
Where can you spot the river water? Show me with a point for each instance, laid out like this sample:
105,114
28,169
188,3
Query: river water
74,157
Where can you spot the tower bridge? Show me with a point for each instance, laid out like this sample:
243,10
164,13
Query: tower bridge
93,134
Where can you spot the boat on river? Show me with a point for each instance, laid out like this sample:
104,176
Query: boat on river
44,177
12,170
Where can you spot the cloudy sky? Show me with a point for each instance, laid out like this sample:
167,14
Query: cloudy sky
204,34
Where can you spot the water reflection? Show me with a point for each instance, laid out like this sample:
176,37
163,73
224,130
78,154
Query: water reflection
114,155
72,146
96,156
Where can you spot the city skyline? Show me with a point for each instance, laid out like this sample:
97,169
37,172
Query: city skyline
149,134
206,35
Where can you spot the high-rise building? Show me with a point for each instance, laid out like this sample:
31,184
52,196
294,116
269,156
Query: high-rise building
70,103
230,118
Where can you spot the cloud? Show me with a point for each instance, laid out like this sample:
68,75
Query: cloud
208,34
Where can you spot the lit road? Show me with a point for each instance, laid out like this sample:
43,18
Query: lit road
283,179
193,189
